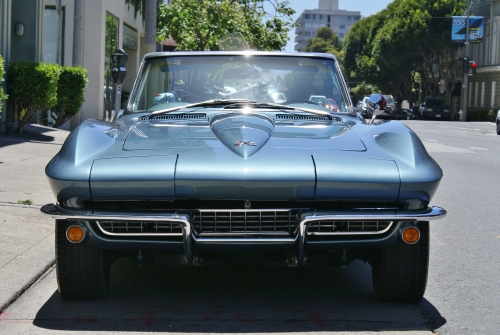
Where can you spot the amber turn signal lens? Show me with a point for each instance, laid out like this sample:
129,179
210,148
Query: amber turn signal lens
75,234
411,235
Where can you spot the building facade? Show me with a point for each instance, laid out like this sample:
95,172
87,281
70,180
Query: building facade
42,31
484,87
329,15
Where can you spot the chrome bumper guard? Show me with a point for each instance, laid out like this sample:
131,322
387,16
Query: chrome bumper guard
307,217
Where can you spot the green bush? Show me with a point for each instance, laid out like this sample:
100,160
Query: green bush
481,115
3,96
34,88
70,91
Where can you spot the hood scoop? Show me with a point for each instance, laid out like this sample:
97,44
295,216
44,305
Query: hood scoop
243,134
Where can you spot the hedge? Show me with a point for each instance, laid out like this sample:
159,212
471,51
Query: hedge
3,96
34,88
481,115
70,92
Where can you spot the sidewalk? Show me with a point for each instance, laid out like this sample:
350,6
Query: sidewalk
26,236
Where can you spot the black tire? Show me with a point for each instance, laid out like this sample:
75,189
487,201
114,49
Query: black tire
82,269
498,128
400,272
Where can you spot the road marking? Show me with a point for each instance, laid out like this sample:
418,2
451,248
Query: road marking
479,148
430,140
438,242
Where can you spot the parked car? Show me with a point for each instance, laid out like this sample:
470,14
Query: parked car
317,99
435,108
330,104
230,175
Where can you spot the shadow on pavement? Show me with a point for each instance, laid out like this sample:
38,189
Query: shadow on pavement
34,133
237,298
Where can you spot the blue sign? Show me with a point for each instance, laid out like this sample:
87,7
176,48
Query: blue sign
458,29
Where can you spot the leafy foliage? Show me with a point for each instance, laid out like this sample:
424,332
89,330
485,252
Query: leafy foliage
34,88
482,115
324,41
3,96
406,42
363,90
139,7
200,24
70,91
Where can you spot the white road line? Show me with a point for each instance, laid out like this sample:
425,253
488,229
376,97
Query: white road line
430,140
479,148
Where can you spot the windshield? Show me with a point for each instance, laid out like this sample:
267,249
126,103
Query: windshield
434,103
175,81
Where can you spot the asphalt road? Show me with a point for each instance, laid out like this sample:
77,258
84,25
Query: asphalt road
462,295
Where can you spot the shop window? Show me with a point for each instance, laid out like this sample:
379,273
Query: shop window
53,43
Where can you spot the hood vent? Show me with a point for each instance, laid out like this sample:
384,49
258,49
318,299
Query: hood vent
294,117
191,116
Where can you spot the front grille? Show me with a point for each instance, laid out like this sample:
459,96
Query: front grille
246,222
139,228
331,227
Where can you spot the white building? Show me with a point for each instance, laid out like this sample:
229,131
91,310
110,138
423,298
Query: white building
29,32
329,15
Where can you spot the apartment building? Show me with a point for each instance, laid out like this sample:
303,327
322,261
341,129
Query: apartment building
327,14
484,87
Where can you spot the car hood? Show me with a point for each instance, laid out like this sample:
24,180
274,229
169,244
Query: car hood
243,135
294,158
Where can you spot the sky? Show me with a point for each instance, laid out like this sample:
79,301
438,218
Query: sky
366,7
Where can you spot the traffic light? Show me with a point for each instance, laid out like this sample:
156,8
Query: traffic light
473,66
465,65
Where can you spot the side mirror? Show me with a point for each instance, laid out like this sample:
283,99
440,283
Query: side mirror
376,105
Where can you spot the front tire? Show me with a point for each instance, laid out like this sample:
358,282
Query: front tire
400,272
82,269
498,128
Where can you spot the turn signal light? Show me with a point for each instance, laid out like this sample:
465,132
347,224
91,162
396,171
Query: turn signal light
411,235
75,234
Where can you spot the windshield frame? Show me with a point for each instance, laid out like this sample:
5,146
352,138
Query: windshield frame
146,63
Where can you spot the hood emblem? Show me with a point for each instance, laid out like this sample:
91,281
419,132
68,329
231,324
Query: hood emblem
241,143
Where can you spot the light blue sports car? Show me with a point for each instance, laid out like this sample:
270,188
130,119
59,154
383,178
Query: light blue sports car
223,155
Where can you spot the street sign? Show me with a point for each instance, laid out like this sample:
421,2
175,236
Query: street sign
458,28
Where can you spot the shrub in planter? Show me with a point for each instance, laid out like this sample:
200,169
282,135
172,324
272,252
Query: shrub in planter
34,88
70,91
3,96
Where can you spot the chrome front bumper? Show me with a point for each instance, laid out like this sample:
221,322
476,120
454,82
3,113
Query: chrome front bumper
401,217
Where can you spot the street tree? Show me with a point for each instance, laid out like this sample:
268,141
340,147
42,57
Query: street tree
407,41
325,40
200,24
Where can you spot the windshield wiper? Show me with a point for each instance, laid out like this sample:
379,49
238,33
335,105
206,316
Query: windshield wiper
208,103
266,105
239,103
270,105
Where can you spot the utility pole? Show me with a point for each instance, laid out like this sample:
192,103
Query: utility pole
465,97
